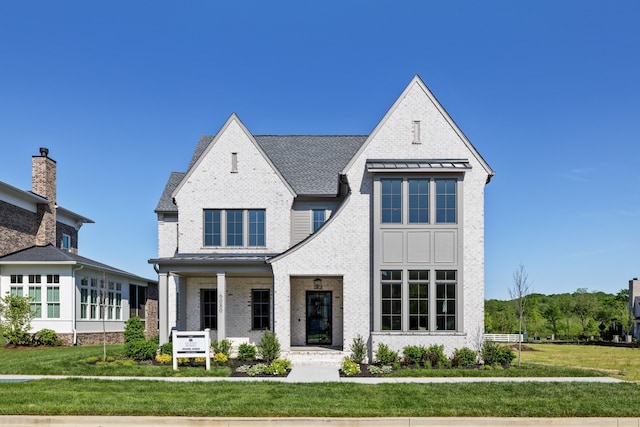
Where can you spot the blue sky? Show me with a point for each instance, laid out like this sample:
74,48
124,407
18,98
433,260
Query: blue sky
547,91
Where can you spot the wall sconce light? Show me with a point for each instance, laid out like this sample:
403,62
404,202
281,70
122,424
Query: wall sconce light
317,283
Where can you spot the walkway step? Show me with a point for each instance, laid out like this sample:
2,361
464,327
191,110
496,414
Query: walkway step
313,374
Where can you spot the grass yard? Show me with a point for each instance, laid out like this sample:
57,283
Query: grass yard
273,399
618,362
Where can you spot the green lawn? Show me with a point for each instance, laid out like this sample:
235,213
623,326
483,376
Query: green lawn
274,399
618,362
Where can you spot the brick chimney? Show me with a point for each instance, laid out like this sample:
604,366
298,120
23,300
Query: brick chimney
43,183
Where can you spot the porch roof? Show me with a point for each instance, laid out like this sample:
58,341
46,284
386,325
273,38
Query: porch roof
213,262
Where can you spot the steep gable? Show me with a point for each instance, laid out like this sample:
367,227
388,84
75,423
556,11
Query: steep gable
418,127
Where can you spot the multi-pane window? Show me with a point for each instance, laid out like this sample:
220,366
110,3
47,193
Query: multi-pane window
35,293
391,200
234,227
419,201
445,200
93,308
212,227
419,300
318,218
391,282
426,200
118,301
53,278
84,298
53,302
209,309
260,309
137,301
16,278
446,300
16,291
256,227
35,278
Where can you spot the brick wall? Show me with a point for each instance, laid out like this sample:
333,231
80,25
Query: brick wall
18,228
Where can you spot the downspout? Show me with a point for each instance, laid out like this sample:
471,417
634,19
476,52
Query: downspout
74,308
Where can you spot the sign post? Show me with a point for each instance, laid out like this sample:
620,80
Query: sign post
191,344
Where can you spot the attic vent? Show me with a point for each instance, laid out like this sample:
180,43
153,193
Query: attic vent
234,162
416,132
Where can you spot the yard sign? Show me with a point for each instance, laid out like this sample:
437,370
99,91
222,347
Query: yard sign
191,344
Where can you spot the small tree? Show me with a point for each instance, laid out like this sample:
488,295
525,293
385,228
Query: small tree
16,315
518,293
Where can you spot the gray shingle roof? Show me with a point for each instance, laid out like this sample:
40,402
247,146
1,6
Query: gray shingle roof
310,164
50,253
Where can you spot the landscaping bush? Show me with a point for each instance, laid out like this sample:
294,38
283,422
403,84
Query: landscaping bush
220,358
256,369
435,355
167,348
269,347
350,367
140,349
464,357
47,337
278,367
133,329
493,354
386,356
413,355
359,350
246,352
223,347
163,358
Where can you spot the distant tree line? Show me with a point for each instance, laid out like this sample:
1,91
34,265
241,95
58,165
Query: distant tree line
576,315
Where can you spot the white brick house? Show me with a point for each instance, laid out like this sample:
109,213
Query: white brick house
324,238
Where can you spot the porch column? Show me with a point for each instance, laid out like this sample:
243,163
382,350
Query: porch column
163,308
222,302
282,307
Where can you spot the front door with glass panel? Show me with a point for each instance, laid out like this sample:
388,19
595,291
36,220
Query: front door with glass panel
319,317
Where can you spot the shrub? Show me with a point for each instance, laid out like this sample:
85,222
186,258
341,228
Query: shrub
269,347
494,354
278,367
386,356
464,357
167,348
435,355
15,312
163,358
133,329
413,355
223,347
91,360
140,349
379,370
220,358
349,367
359,350
256,369
246,352
47,337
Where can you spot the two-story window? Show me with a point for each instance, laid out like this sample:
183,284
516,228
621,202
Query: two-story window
234,227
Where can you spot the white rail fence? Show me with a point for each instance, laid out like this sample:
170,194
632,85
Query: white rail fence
503,337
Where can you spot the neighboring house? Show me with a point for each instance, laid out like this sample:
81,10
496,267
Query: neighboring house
39,258
323,239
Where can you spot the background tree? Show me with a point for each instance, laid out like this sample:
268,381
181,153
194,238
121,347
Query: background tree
518,292
553,315
585,307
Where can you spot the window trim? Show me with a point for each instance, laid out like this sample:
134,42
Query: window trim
262,304
214,313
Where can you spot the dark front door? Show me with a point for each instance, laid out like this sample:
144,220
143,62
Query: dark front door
318,317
